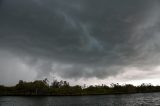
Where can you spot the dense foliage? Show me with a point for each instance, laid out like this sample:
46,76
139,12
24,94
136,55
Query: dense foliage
41,87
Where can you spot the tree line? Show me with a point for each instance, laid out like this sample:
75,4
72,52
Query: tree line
62,88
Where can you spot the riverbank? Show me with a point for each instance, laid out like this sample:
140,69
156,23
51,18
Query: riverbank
62,88
77,95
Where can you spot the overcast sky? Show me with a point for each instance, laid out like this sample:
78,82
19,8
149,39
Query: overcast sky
81,41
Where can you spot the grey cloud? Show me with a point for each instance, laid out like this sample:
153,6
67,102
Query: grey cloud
80,71
96,38
12,69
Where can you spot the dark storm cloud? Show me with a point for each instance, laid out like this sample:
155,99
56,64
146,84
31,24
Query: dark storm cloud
0,2
95,38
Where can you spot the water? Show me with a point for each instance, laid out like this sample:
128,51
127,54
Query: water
149,99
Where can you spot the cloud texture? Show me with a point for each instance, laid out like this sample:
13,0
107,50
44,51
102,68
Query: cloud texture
79,39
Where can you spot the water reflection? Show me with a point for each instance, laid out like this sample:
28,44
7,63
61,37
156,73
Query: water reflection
149,99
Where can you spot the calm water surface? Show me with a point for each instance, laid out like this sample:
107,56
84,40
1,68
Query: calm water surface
149,99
